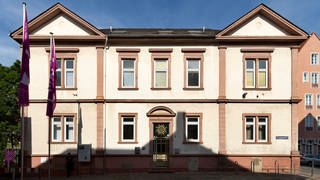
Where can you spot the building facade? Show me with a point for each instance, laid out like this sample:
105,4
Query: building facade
309,114
166,99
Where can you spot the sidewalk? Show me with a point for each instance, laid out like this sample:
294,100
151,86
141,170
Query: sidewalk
180,176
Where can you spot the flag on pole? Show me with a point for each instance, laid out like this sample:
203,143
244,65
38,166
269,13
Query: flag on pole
51,103
24,73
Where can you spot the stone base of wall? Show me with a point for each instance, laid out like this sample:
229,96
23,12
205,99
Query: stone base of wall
100,164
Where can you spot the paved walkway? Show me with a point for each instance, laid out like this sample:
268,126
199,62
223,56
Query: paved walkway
181,176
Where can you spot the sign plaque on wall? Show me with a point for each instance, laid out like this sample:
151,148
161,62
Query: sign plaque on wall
84,153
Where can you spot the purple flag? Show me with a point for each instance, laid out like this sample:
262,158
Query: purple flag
51,104
24,73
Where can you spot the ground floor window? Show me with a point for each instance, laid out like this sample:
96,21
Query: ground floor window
309,147
256,128
128,127
63,128
193,128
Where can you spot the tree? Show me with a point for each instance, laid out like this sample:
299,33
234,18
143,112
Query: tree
9,108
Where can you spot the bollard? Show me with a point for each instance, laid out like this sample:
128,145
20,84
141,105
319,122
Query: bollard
237,166
275,166
252,166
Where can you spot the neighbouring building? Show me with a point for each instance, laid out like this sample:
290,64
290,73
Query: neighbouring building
309,108
165,99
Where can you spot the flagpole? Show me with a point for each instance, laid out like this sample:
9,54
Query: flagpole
22,119
22,142
49,128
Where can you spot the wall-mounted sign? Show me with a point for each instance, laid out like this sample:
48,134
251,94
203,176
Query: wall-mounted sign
282,137
84,153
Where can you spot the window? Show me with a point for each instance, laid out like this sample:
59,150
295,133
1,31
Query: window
63,128
128,73
309,147
318,122
256,73
314,79
161,68
308,101
128,68
314,58
256,128
193,71
309,122
128,128
318,101
65,72
305,77
193,128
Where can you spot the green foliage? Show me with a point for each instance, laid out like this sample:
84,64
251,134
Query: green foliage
9,108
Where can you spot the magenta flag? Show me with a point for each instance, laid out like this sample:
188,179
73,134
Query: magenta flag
51,103
24,73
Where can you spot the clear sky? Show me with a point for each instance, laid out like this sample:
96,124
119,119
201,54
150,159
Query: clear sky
214,14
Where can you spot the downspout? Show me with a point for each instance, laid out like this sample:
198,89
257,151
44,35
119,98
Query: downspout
106,47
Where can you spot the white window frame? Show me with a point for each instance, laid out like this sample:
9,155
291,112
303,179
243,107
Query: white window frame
128,123
155,72
128,70
65,123
266,125
69,70
308,101
316,60
263,70
250,70
52,128
305,77
193,70
254,129
187,123
314,78
59,70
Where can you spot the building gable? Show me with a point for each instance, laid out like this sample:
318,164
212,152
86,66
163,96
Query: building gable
262,23
62,22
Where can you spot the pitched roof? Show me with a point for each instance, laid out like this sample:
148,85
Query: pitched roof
160,32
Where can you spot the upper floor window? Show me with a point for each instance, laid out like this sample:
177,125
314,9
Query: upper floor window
309,122
193,78
314,79
128,73
256,129
128,128
160,73
193,128
256,69
318,101
314,58
256,73
308,101
305,77
63,128
65,73
128,69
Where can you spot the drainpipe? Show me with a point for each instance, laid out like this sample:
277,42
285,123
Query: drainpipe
106,47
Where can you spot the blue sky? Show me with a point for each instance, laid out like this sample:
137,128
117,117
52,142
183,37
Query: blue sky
214,14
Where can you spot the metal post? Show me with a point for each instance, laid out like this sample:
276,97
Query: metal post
22,142
312,168
49,149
